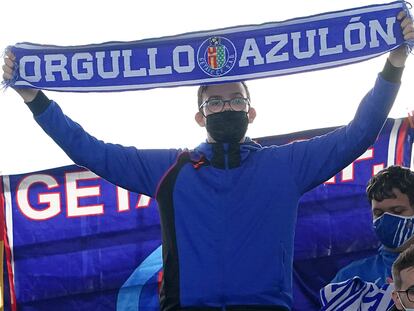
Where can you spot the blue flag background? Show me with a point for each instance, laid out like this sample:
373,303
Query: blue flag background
77,242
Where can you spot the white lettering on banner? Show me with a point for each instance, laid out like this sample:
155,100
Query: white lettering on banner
143,201
128,72
70,190
360,28
115,64
123,199
31,59
355,39
348,172
325,50
153,70
310,34
73,193
250,49
273,48
375,28
56,63
187,49
271,56
376,168
52,199
86,65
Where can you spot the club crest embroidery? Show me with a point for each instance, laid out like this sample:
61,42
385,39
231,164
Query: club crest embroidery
216,56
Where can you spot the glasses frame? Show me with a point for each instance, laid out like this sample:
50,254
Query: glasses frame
406,292
204,105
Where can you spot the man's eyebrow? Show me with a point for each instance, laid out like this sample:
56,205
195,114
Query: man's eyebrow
237,93
220,97
395,207
388,208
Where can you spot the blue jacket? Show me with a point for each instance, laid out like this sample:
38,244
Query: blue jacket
227,233
375,269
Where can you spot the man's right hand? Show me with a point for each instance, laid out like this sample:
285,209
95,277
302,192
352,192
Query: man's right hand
28,94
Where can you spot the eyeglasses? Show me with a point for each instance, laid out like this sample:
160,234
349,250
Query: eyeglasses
215,105
409,292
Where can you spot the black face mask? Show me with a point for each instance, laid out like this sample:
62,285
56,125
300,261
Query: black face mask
227,126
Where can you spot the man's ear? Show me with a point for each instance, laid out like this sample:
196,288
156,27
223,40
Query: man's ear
199,118
396,300
252,114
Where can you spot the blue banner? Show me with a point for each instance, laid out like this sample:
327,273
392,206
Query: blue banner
76,242
230,54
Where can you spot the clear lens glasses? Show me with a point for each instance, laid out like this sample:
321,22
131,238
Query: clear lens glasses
409,292
215,105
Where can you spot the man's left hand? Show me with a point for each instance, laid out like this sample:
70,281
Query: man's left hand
398,57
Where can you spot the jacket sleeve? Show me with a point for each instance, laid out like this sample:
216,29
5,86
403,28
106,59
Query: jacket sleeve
316,160
130,168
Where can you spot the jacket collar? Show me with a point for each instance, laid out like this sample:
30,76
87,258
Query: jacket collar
388,256
211,151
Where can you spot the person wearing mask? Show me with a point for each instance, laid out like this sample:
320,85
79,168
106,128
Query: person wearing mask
228,207
391,195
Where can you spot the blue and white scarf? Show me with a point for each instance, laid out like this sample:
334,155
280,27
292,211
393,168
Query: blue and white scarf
356,295
230,54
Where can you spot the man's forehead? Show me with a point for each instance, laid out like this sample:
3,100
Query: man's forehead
225,89
401,199
407,277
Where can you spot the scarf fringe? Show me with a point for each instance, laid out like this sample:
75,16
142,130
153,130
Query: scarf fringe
8,83
409,43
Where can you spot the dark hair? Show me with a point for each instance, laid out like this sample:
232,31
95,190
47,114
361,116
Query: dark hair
405,260
203,88
380,186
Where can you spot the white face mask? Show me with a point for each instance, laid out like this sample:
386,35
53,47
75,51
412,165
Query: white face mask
406,309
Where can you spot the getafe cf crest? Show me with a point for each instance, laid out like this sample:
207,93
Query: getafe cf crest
216,56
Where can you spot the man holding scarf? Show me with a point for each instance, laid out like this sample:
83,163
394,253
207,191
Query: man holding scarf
228,207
